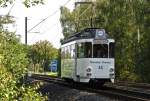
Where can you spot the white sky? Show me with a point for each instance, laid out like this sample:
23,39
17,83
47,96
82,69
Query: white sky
49,30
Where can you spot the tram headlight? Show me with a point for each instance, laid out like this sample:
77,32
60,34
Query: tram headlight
88,69
111,70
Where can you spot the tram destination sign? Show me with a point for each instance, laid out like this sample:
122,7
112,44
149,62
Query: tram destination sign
96,41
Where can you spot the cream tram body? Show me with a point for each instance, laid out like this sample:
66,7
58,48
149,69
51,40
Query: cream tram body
87,59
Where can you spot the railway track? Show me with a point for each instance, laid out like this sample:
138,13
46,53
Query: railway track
132,84
107,90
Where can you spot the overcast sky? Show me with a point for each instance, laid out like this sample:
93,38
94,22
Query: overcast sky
49,30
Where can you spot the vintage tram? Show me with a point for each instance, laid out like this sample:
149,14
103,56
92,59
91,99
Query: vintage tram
88,56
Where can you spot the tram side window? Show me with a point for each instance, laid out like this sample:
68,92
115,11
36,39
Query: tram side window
84,50
73,51
80,50
66,53
69,52
63,53
100,51
111,50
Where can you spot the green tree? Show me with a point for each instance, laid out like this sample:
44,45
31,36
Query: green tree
41,54
67,21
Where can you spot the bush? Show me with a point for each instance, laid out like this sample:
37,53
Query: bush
13,66
126,75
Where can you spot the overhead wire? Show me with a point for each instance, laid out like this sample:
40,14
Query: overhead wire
77,19
11,8
34,35
48,17
45,20
50,27
84,11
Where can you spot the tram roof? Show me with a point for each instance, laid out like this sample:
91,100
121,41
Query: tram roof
87,33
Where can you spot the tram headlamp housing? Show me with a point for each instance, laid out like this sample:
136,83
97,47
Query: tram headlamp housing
88,69
111,70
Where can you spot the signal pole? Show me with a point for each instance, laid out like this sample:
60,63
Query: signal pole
26,30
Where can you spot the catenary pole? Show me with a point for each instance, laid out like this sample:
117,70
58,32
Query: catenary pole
26,30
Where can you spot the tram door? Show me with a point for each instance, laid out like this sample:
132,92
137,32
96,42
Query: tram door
84,53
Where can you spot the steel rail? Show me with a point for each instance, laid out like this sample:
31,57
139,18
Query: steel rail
132,84
117,93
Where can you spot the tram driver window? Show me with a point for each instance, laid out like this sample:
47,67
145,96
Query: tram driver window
88,50
100,51
84,50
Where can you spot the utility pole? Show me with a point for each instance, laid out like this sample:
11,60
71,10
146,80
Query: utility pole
91,18
26,30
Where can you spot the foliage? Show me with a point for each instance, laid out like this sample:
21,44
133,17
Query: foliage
8,19
67,21
127,21
27,3
13,66
41,54
14,63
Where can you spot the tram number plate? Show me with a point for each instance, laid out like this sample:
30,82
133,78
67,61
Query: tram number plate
100,67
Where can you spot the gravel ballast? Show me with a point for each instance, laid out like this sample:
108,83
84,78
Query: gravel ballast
57,92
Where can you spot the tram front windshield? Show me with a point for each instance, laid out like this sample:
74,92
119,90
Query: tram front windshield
100,51
84,50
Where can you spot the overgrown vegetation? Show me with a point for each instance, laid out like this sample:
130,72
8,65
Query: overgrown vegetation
14,64
128,22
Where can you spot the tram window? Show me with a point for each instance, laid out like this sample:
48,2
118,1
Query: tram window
100,51
72,51
111,50
84,50
88,50
69,52
63,53
80,50
66,51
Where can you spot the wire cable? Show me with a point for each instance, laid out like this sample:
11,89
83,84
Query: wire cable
55,24
11,8
84,11
48,17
